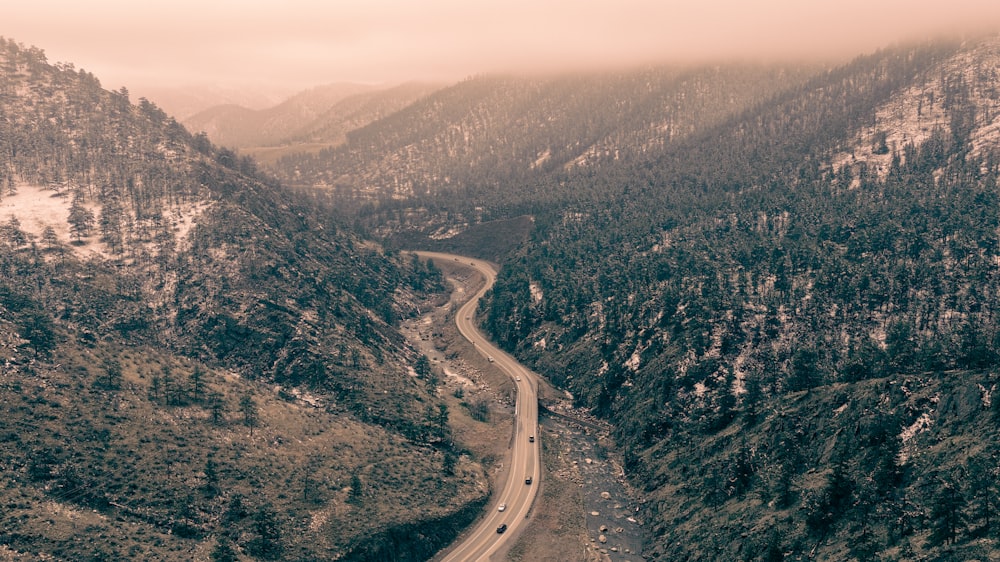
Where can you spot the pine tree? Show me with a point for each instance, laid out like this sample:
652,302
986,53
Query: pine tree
110,222
249,410
197,383
13,233
356,496
217,407
81,220
50,238
155,390
211,485
39,330
267,544
946,515
111,379
982,488
224,551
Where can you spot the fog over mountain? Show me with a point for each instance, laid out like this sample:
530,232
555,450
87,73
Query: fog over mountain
305,43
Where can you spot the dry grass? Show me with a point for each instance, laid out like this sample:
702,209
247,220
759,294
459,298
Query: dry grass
89,470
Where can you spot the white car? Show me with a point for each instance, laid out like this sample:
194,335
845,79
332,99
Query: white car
502,507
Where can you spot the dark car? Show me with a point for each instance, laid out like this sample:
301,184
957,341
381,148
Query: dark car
527,480
502,528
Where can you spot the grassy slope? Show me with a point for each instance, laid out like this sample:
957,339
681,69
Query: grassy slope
91,470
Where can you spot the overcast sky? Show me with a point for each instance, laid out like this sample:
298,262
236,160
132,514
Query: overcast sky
301,43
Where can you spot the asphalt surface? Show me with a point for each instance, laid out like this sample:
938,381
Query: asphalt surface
483,540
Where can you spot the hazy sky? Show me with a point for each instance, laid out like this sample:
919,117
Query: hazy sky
301,43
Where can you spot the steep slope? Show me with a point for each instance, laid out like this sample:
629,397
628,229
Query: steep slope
490,132
733,303
194,358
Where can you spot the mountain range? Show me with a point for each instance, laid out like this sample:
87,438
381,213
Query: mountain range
783,306
306,122
776,282
786,314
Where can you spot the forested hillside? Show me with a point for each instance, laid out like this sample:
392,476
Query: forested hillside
777,284
195,359
791,317
489,138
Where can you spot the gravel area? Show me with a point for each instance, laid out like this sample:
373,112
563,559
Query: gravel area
612,512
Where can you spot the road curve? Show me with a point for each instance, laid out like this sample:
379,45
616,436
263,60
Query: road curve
482,541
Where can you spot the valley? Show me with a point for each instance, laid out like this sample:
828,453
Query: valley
737,311
578,477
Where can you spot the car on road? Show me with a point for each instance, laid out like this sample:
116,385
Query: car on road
502,528
502,507
518,379
531,439
527,480
490,358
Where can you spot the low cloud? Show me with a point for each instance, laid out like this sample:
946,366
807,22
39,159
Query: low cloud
300,42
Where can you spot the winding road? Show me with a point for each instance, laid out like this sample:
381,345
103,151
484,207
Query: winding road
483,540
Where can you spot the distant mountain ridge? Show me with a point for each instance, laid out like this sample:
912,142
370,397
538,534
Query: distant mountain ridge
318,116
183,101
235,126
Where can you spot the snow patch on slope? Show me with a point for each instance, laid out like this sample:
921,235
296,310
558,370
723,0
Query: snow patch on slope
536,292
922,424
37,207
913,115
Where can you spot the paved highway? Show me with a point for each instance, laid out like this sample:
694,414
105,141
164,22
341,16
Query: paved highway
483,540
